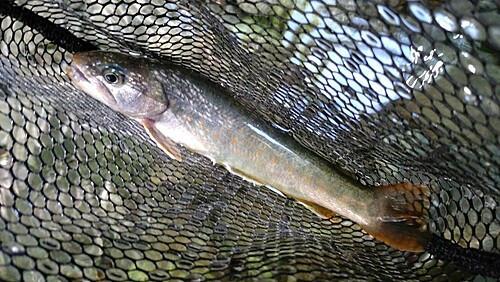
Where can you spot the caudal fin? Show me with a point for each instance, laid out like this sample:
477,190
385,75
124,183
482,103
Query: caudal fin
402,216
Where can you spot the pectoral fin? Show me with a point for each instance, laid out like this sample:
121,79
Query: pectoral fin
162,141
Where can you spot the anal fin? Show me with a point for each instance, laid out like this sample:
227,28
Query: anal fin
317,209
402,218
165,143
243,174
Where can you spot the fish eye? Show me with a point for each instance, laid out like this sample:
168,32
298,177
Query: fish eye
113,75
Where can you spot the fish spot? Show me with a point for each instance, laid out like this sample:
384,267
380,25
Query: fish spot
308,180
323,188
259,152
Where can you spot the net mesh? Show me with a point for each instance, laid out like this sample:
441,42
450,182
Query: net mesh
386,90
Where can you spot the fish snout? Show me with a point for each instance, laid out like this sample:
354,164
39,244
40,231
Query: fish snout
77,58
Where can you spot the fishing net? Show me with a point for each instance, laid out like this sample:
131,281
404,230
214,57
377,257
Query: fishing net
387,91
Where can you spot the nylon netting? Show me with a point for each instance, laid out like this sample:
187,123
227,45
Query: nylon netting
386,90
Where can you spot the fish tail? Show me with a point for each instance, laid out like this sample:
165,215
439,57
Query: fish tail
402,217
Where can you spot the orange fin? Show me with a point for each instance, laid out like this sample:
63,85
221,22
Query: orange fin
243,174
169,146
317,209
402,216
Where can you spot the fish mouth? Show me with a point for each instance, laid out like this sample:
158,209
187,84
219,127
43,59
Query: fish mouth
76,75
77,72
74,72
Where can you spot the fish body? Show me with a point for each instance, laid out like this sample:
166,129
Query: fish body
178,106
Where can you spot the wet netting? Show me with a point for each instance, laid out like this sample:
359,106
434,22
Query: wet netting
387,91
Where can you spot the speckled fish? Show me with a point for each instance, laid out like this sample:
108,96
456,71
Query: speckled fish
178,106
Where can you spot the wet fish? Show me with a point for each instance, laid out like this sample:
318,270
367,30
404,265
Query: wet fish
178,106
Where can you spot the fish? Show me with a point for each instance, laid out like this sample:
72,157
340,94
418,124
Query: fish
178,106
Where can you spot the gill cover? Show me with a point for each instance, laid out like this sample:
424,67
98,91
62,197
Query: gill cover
125,83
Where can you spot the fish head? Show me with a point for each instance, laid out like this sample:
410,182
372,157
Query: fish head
125,83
